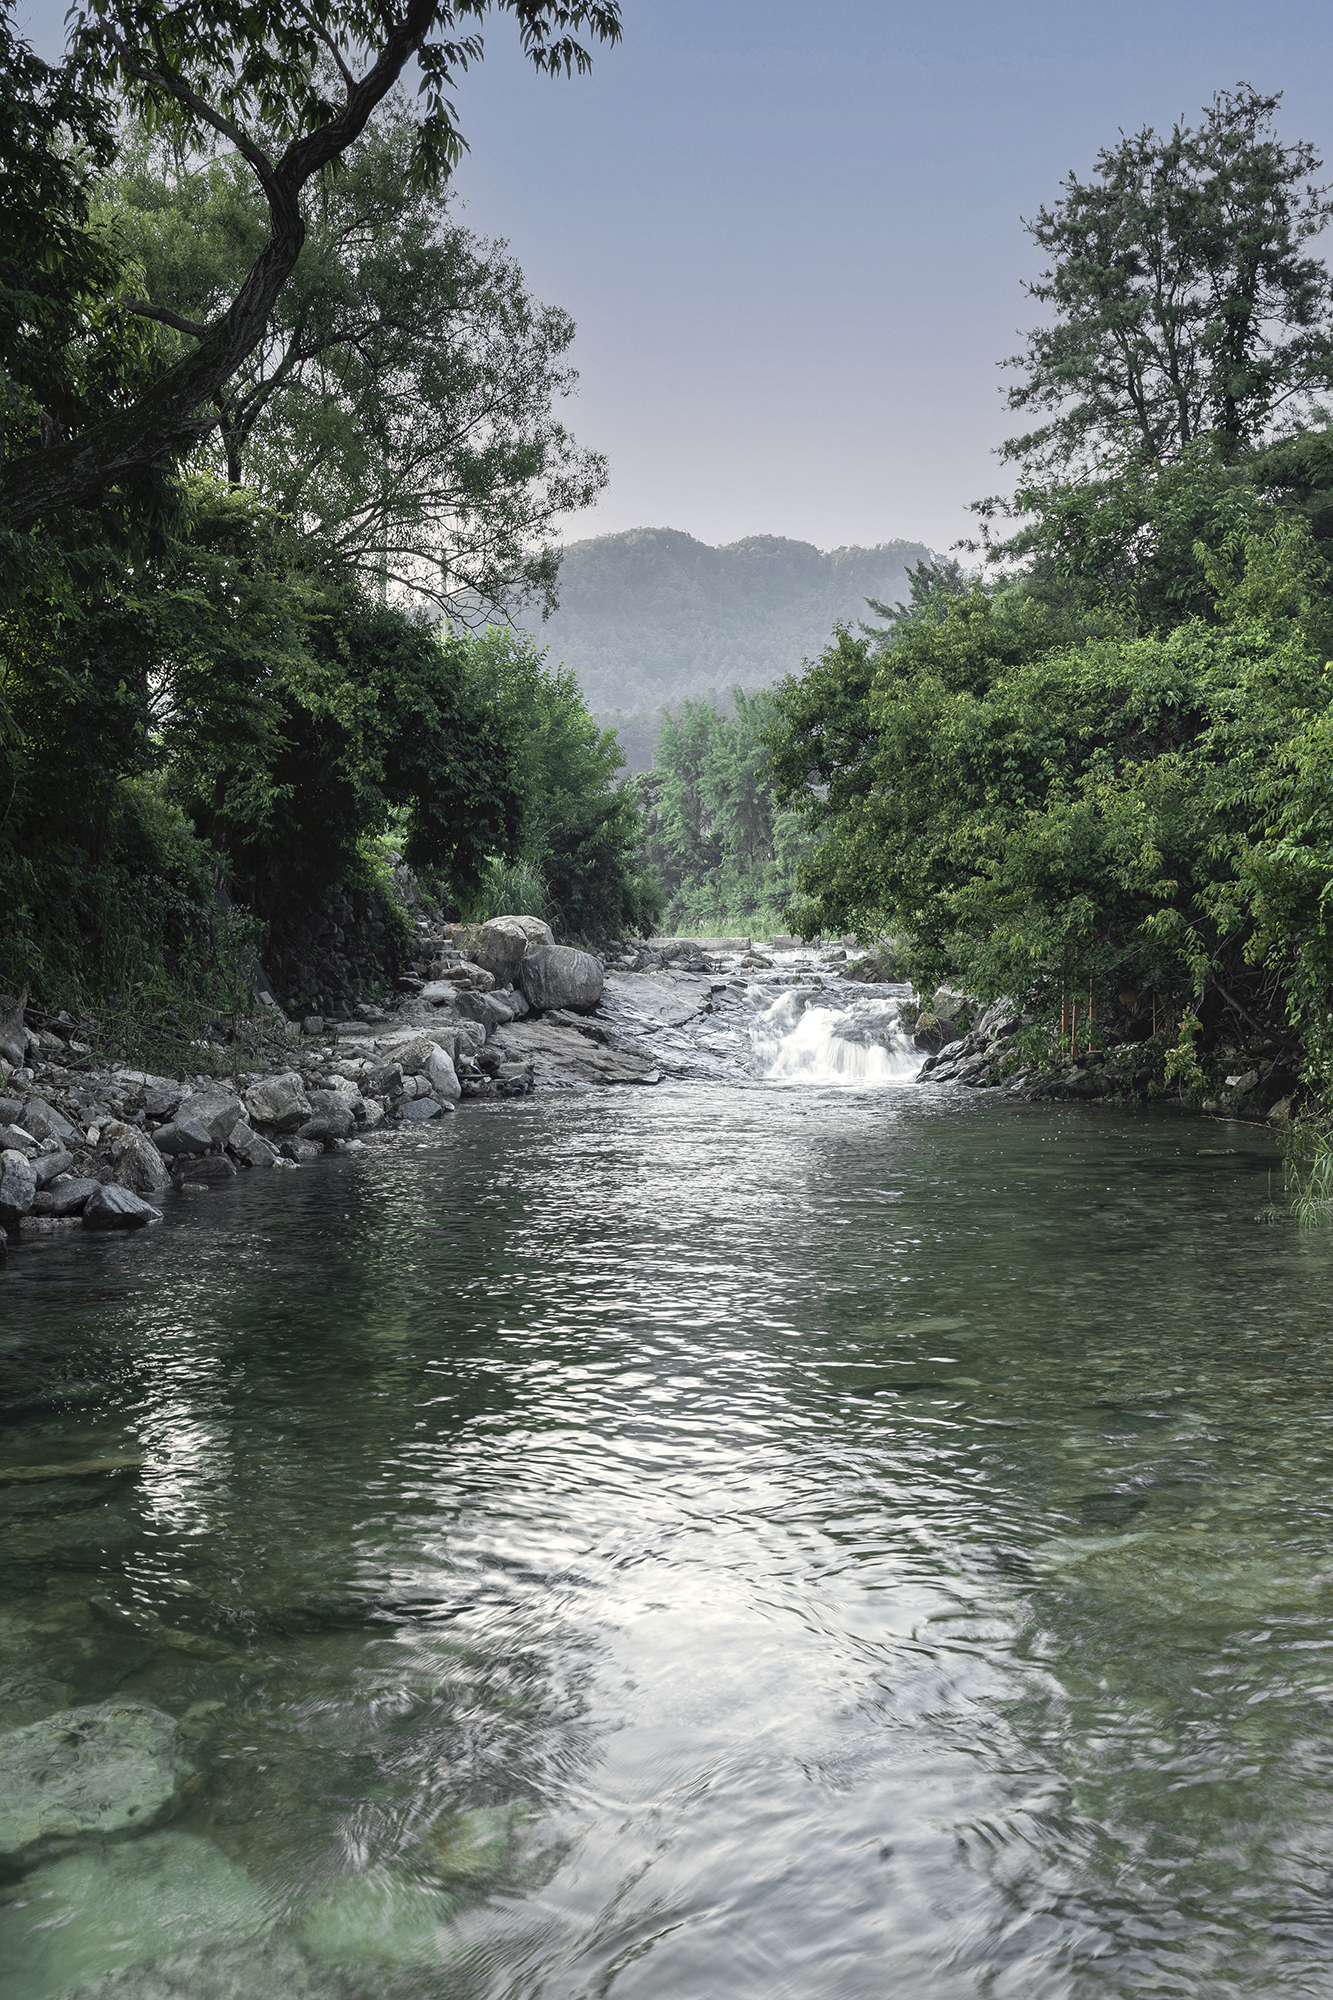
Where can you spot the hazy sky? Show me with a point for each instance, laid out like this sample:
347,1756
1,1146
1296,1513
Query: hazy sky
791,236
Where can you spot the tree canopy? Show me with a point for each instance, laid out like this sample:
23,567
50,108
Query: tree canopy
291,91
1184,301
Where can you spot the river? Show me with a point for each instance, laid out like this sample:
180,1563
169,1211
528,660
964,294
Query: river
720,1542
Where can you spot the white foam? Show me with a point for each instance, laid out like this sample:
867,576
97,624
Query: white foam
826,1038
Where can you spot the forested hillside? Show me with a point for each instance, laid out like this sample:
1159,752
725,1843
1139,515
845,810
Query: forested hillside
653,616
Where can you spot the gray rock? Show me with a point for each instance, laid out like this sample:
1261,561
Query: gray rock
485,1010
252,1147
385,1080
279,1101
18,1188
442,1078
45,1122
418,1110
469,1036
11,1110
85,1771
13,1031
439,993
215,1112
312,1024
48,1165
514,1080
161,1099
558,976
412,1058
1002,1018
70,1197
301,1150
208,1171
139,1164
109,1907
14,1139
500,945
174,1141
330,1116
115,1207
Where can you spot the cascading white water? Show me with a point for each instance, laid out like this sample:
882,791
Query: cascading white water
834,1038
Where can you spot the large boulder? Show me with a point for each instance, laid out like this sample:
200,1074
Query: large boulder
556,975
213,1112
279,1101
442,1078
18,1188
116,1207
487,1010
500,945
138,1163
48,1165
251,1146
330,1116
70,1196
112,1768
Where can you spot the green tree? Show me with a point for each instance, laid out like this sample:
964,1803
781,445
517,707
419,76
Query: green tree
291,90
1183,299
579,830
400,405
723,850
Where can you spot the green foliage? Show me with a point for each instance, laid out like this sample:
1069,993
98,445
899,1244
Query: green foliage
1051,819
724,853
400,405
1182,300
579,828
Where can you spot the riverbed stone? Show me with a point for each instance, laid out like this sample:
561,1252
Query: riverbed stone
442,1077
45,1122
13,1139
176,1141
279,1101
500,945
330,1116
214,1112
18,1187
105,1769
211,1171
116,1905
71,1197
138,1163
559,976
420,1110
116,1207
47,1166
252,1147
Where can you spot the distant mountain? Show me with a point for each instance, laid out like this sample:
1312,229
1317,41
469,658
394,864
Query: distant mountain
651,615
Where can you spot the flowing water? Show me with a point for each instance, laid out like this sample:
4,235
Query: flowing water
802,1540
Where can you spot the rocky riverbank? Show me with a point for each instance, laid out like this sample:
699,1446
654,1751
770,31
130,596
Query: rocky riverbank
491,1011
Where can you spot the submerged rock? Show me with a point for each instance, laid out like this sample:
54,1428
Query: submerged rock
93,1913
98,1770
114,1207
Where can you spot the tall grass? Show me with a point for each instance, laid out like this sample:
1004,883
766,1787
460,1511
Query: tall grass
511,889
1307,1173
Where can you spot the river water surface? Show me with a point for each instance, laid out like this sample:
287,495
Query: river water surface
704,1543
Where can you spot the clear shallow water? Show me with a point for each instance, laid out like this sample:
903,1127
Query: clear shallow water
736,1542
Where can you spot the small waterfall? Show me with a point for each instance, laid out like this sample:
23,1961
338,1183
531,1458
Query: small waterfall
835,1038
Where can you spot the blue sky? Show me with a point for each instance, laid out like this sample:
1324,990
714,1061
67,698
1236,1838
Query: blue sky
791,236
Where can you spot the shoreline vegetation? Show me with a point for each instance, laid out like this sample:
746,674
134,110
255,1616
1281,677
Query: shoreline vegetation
262,698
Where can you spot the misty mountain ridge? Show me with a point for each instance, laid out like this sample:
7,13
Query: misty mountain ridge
651,615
